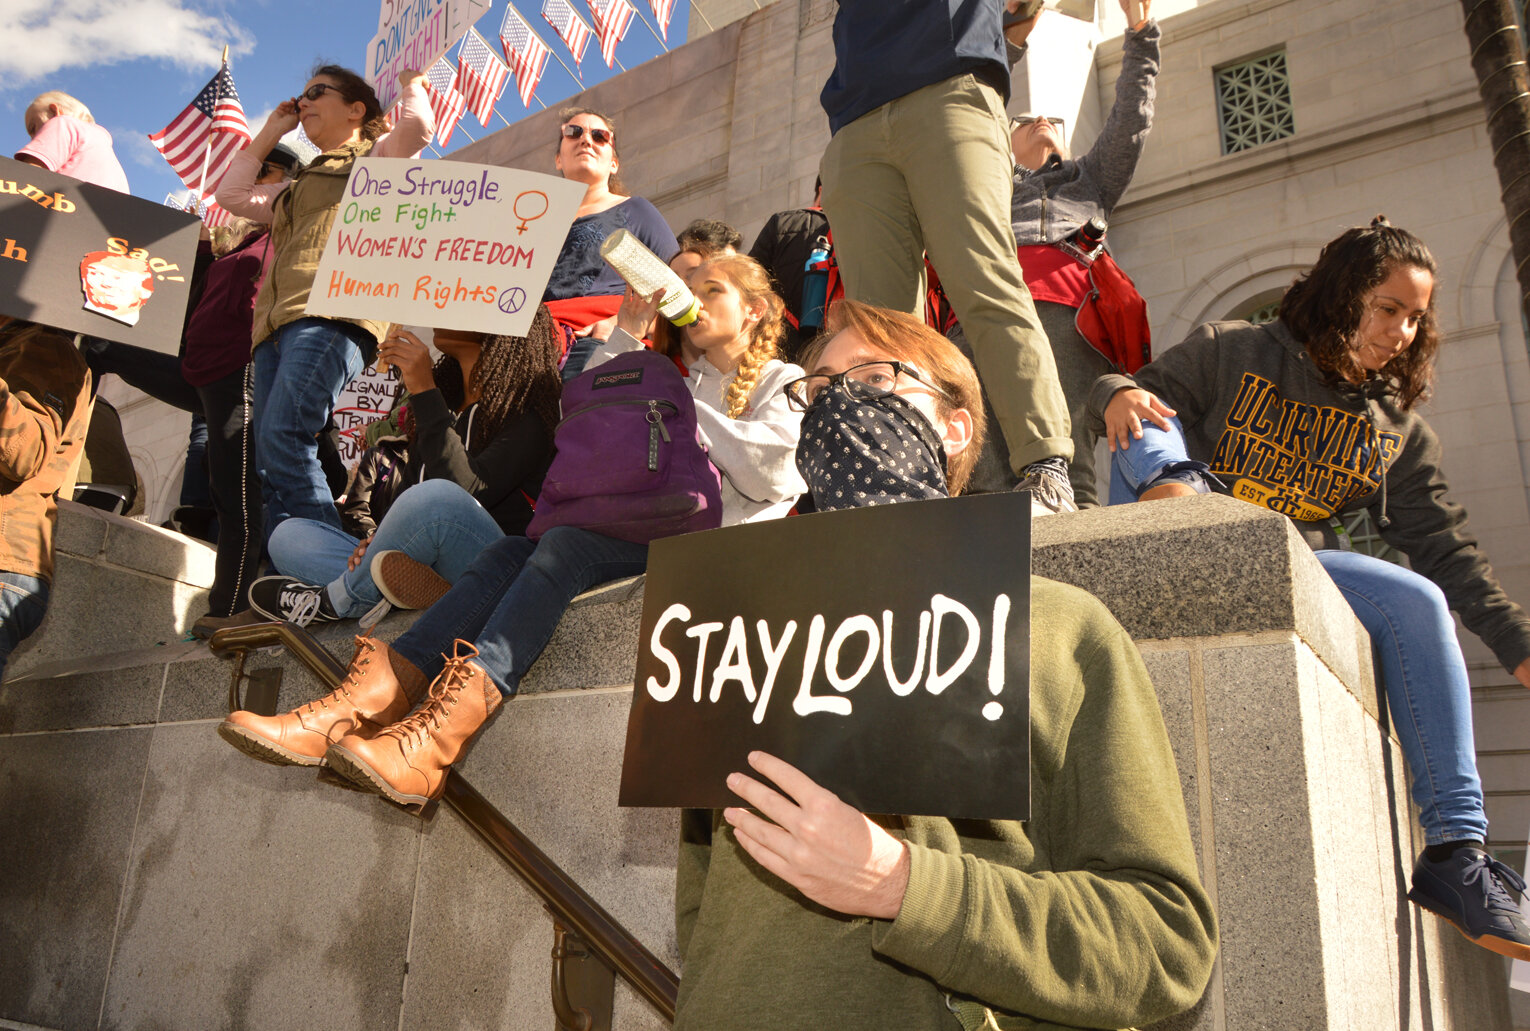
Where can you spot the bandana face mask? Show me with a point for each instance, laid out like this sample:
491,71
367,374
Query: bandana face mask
855,452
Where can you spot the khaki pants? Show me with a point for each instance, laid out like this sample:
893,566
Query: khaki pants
931,171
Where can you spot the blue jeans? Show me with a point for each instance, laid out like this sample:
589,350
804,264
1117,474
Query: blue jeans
1423,674
299,372
23,600
435,522
510,600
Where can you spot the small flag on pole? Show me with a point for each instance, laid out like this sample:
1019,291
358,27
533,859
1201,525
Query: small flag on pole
526,52
663,11
611,17
569,27
445,101
201,140
481,74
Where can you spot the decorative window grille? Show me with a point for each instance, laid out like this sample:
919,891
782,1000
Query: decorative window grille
1265,313
1254,102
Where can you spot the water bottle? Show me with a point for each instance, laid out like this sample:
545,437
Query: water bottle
815,286
646,273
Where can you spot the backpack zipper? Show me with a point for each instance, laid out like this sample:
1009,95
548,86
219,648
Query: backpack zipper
655,417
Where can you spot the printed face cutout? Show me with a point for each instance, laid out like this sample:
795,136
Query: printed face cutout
116,285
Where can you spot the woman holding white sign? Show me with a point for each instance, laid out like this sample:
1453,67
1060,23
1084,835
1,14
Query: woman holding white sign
1090,914
503,610
301,363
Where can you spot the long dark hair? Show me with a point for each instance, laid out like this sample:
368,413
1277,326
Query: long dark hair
357,90
1324,308
513,375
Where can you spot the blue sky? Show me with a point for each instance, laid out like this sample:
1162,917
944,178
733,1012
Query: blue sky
137,63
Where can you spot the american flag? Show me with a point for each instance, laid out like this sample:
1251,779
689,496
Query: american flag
214,215
611,17
201,140
527,53
482,75
569,27
663,11
445,101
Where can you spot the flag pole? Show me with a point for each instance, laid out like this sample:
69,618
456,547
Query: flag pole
207,154
651,30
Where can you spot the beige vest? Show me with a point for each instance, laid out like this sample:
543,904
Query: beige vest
304,214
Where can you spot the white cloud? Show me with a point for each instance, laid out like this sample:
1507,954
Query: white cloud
44,36
132,145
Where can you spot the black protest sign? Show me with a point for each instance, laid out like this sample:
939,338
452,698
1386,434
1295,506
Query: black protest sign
883,651
91,260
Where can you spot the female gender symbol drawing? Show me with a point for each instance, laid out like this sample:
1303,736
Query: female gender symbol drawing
528,216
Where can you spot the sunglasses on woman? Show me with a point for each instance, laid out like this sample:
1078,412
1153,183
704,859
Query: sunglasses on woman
600,136
318,89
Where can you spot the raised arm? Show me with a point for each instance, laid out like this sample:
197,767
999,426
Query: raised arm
416,125
238,193
1112,161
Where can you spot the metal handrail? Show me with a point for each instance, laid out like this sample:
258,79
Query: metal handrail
568,902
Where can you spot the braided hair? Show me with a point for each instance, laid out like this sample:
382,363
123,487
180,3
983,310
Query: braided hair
513,375
753,284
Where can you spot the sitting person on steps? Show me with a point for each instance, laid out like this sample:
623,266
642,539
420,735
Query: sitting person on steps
499,616
480,426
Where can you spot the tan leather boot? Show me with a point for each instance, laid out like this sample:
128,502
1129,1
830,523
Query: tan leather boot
380,687
407,762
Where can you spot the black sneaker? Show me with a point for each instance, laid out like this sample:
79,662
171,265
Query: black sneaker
1468,889
1051,490
284,598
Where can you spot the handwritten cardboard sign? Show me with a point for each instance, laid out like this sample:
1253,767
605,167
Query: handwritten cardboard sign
444,244
91,260
363,401
411,34
883,651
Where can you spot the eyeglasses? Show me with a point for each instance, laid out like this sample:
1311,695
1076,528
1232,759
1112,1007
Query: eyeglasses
318,89
864,382
1020,120
597,135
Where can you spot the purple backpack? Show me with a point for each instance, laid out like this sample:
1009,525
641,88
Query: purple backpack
628,463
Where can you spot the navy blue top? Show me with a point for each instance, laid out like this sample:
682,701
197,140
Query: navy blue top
582,272
884,49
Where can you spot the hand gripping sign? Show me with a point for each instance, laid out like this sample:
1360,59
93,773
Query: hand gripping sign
883,651
444,244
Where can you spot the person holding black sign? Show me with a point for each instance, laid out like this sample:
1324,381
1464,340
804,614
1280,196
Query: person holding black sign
301,363
44,412
800,911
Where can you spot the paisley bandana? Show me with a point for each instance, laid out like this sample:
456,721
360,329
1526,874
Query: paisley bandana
855,453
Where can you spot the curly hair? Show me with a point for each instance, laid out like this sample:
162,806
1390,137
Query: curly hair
356,90
614,184
1325,308
513,375
765,338
902,337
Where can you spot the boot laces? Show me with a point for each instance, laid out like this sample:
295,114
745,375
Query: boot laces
1491,874
442,696
359,666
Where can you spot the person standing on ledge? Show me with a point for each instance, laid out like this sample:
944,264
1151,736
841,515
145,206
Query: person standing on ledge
920,162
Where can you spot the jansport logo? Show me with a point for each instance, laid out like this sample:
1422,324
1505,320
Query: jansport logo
627,378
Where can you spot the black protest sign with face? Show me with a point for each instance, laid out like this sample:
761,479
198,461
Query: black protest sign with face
91,260
883,651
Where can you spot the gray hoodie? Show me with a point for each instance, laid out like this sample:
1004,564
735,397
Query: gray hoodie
1053,201
1258,411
